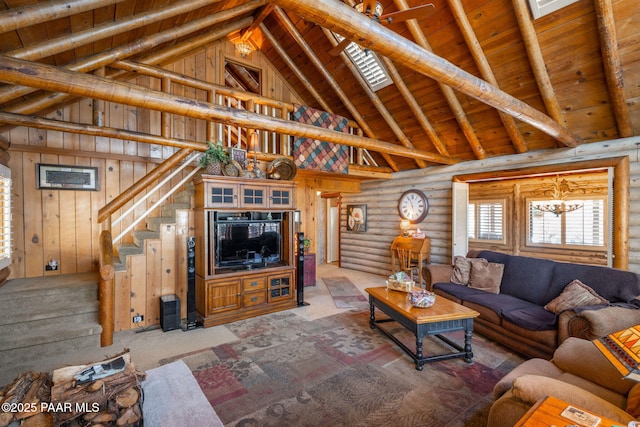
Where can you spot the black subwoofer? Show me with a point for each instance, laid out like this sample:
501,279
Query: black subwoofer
169,312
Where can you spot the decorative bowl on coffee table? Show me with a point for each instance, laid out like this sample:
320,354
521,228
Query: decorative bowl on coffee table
421,298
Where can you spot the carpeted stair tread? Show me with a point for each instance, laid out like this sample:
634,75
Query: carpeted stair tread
139,236
169,210
24,309
155,223
38,332
126,249
49,285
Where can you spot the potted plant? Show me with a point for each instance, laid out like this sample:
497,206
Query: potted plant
306,243
213,158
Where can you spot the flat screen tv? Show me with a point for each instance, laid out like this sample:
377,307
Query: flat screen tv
248,243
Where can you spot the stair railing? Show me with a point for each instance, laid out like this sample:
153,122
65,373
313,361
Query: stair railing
162,198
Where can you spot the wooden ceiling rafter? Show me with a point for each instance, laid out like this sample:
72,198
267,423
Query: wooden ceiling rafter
420,116
613,69
43,103
38,13
452,100
353,25
50,78
264,12
485,70
291,29
139,46
374,99
539,68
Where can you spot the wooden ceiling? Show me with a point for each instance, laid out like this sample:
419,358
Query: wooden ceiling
577,68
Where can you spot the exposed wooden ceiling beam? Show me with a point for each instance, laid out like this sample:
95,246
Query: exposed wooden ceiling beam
293,67
612,67
264,12
149,42
373,97
284,19
38,13
342,19
450,96
537,61
415,108
485,70
46,77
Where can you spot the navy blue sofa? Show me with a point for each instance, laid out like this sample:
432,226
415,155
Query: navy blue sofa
516,317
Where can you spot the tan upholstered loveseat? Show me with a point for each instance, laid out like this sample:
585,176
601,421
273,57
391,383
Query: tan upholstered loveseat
515,316
578,374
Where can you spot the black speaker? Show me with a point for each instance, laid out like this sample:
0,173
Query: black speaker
300,268
169,312
193,319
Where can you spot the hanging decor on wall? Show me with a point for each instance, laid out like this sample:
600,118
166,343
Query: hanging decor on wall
59,177
357,218
558,191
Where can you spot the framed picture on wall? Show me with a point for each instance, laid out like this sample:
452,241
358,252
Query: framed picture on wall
61,177
239,155
357,218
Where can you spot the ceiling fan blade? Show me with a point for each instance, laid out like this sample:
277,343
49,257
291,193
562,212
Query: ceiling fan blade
417,12
339,47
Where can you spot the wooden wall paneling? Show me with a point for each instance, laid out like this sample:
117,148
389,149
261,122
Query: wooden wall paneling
200,70
37,137
189,92
168,262
87,143
50,220
71,141
137,267
55,139
112,189
143,118
122,301
184,222
153,281
84,217
139,172
130,123
98,200
68,225
33,243
125,181
18,229
115,119
178,122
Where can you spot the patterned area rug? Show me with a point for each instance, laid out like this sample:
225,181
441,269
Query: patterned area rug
344,293
336,371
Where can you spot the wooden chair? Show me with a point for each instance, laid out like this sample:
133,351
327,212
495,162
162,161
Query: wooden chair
408,263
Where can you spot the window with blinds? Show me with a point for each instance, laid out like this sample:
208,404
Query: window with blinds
367,64
583,228
5,216
485,220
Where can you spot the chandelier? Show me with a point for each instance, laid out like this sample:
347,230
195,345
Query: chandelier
558,191
244,48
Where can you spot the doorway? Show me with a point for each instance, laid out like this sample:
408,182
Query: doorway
333,230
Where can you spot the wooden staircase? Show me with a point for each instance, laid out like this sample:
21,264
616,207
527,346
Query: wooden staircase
154,264
42,316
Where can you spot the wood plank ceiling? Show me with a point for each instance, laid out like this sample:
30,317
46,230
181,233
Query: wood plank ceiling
578,66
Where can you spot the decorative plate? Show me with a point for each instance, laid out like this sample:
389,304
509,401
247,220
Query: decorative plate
232,168
282,168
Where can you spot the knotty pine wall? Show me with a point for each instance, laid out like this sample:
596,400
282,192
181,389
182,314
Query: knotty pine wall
61,224
370,251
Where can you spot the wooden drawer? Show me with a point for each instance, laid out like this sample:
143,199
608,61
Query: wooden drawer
254,298
254,284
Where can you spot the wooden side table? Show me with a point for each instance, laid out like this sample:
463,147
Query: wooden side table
546,412
421,252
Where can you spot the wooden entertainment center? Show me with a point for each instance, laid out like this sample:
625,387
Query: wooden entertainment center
245,243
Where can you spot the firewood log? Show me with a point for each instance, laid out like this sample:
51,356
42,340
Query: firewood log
127,398
128,417
42,419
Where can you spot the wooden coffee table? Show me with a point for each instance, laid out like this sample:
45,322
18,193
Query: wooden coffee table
546,412
444,316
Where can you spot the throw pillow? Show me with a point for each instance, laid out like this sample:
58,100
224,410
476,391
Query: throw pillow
633,401
461,270
486,276
575,294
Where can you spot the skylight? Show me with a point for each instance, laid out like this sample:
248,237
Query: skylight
368,64
540,8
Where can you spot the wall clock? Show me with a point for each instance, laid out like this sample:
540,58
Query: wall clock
413,205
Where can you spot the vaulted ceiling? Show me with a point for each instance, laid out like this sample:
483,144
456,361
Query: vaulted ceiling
567,78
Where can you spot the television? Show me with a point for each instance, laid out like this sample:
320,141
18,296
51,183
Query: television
245,242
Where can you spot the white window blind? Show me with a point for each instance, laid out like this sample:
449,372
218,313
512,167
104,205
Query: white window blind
582,227
368,65
5,216
486,220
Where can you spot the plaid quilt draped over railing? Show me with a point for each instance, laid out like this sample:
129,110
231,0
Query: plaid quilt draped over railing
309,153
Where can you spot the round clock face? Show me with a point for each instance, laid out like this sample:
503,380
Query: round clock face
413,205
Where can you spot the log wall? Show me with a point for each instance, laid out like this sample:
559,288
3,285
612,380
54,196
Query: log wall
370,251
50,224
